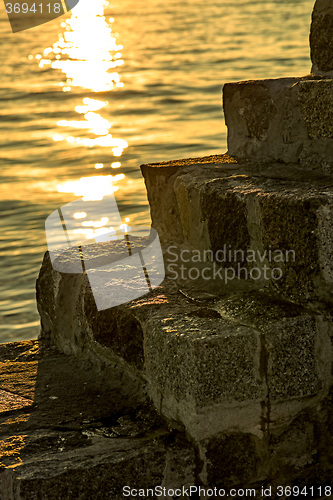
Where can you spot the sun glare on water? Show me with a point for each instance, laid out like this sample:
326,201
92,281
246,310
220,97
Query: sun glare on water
92,188
88,55
87,51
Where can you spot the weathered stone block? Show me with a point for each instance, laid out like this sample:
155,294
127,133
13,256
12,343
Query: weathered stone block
290,363
321,37
203,360
283,120
173,213
203,371
211,366
274,223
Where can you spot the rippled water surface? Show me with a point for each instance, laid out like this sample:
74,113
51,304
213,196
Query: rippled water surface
88,97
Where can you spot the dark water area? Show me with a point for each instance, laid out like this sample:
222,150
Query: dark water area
86,98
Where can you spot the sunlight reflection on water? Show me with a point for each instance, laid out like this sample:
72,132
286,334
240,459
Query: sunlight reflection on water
93,187
88,62
88,59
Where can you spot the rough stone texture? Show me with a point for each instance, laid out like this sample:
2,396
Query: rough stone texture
203,360
284,119
204,372
316,103
321,37
288,334
82,438
196,354
145,353
85,438
11,402
225,467
260,207
281,215
244,366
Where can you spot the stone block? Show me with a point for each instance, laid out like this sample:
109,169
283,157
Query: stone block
283,120
274,222
321,37
203,360
172,213
203,371
291,339
208,365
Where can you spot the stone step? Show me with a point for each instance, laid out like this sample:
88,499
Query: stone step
265,225
235,372
321,38
285,119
